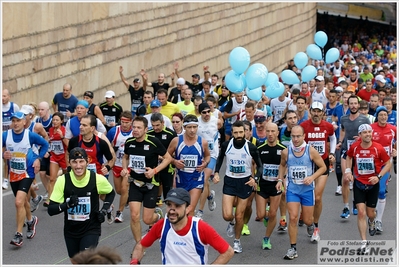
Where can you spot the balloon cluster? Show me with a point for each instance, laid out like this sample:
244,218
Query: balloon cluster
254,78
308,72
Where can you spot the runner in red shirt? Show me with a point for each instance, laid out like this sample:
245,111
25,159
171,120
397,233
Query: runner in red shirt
384,133
317,133
369,157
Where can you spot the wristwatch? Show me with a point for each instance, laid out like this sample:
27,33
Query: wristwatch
379,177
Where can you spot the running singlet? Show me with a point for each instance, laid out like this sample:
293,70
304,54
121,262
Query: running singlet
7,117
192,157
239,161
270,157
93,154
317,135
19,159
119,142
190,248
209,132
298,169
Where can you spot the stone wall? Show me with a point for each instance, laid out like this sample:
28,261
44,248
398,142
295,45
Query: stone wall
46,45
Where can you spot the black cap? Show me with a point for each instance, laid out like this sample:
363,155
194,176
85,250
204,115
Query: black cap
178,196
203,106
196,76
89,94
78,153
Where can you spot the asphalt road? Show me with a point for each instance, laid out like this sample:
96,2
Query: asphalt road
48,245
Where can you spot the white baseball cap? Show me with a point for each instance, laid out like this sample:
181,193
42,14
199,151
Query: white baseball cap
27,109
339,89
319,78
380,78
317,105
109,94
180,81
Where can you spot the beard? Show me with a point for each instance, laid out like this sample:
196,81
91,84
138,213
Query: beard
239,143
354,112
178,219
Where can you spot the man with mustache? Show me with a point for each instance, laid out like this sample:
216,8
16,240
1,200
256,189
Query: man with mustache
173,232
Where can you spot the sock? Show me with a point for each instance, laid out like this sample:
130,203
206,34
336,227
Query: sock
346,205
201,211
293,246
236,240
380,209
36,198
283,218
109,210
316,225
31,220
339,178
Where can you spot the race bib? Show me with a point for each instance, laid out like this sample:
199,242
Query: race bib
6,123
365,166
388,150
319,146
329,119
135,105
137,163
119,156
237,167
18,163
298,173
109,119
57,147
81,212
92,167
190,162
270,172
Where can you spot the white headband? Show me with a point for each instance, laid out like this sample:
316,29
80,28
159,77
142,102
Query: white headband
364,127
190,122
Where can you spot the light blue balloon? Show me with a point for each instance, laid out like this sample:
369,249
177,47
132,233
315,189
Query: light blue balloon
274,90
289,77
235,82
301,60
271,78
314,52
308,73
320,38
254,94
239,59
256,75
332,55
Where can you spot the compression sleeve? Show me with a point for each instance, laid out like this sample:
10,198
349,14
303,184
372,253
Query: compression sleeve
221,156
333,143
255,156
36,139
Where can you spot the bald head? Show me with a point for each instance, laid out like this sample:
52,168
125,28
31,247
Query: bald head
44,110
6,96
271,133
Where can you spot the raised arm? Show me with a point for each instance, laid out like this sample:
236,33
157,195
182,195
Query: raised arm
123,77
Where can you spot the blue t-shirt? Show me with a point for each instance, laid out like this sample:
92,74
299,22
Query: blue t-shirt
392,118
339,112
65,104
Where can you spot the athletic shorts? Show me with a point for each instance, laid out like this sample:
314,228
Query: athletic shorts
327,163
367,194
116,170
59,159
306,198
191,184
268,189
21,185
142,194
212,164
237,187
227,129
45,165
76,245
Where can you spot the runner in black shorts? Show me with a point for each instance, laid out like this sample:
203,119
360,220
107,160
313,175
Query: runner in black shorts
270,155
141,155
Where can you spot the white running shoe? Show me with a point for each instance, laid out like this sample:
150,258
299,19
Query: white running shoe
5,184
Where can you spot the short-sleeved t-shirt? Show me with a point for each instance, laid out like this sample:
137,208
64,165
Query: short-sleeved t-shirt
351,129
65,104
136,97
143,154
157,86
317,135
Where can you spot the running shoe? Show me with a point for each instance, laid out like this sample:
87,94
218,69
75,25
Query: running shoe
17,240
35,203
237,246
372,229
266,243
5,187
310,230
31,231
211,201
159,212
199,214
230,228
159,202
300,222
245,230
316,235
338,192
354,211
364,249
110,216
119,217
378,226
345,213
265,221
282,227
291,254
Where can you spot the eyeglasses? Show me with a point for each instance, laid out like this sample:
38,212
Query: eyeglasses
176,121
205,112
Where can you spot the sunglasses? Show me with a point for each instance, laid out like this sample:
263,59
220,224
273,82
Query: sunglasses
176,121
205,112
191,119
